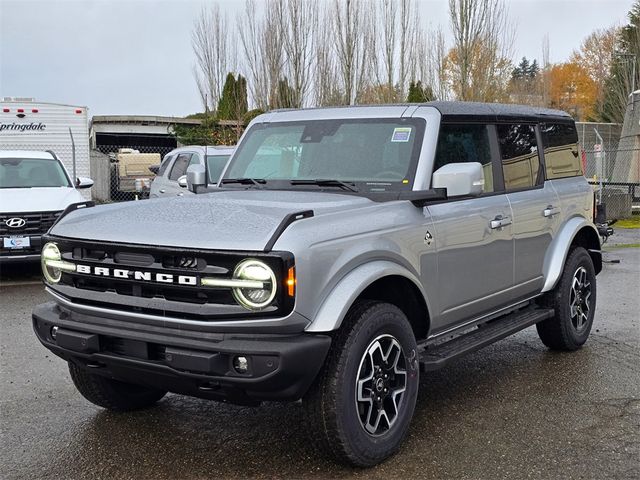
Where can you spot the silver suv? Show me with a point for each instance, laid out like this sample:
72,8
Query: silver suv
171,179
348,252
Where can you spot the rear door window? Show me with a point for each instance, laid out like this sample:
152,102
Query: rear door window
561,153
180,166
519,154
465,143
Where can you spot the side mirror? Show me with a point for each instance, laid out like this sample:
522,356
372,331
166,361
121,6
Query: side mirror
196,177
154,169
84,182
182,181
459,178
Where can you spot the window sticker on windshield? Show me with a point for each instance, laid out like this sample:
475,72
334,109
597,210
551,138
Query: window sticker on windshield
401,134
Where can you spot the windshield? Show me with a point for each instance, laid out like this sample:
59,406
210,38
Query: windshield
372,154
32,172
215,165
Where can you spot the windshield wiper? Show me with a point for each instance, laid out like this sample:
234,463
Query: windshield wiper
326,183
244,181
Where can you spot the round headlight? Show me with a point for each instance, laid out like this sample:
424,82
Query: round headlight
255,298
50,254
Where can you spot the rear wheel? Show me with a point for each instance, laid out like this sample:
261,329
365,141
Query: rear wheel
112,394
360,407
574,302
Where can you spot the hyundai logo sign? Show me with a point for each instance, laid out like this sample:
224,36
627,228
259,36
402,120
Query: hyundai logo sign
15,222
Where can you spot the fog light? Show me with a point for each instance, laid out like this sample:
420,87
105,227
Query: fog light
241,364
54,332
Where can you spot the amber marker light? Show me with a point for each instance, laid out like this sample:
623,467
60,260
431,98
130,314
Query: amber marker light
291,281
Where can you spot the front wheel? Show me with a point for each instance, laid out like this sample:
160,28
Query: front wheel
574,302
360,407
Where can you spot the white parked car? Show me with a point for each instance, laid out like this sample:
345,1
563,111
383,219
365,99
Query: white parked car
171,174
34,189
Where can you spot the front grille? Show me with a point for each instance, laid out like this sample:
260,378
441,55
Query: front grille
165,299
35,223
171,293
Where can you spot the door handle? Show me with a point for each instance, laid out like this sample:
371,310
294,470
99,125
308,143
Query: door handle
550,211
162,190
500,222
180,194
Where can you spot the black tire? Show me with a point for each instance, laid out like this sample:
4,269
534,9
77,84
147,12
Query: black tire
112,394
332,411
569,328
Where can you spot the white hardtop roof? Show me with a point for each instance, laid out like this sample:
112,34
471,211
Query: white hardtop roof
203,148
32,102
25,154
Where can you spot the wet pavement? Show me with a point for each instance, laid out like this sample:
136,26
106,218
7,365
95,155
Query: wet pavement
512,410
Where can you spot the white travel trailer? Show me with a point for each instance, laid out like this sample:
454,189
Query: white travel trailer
29,125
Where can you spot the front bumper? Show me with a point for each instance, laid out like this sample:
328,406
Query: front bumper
281,366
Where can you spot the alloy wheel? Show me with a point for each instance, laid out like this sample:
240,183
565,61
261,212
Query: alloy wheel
580,299
381,384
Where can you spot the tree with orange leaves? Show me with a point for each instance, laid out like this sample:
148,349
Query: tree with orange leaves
572,89
596,55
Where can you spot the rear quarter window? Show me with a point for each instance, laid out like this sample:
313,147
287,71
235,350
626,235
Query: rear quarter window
165,163
561,153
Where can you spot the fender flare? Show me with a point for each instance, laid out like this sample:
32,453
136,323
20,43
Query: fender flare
559,249
334,308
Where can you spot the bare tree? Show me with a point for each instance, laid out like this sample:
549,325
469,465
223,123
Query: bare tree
479,62
326,91
429,64
386,43
251,33
408,24
395,33
214,53
353,44
546,71
299,23
272,49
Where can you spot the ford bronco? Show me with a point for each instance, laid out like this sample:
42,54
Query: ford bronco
348,252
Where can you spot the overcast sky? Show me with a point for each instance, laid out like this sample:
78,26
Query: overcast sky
135,57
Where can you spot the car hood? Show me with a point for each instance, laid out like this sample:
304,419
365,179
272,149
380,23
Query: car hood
224,220
37,199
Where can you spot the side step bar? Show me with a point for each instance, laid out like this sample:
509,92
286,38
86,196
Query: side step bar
440,355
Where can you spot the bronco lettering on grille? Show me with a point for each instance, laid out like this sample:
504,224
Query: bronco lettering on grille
137,275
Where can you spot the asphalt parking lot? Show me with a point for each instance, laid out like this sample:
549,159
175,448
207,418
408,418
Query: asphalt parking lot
513,410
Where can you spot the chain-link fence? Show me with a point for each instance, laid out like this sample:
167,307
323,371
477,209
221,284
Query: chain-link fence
122,173
615,175
120,161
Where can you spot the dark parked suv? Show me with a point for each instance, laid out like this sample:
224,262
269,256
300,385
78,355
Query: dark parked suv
347,252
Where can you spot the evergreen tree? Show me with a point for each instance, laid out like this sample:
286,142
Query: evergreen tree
418,93
620,82
233,102
285,94
533,69
242,104
522,70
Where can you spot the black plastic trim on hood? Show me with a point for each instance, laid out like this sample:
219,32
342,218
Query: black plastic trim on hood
73,207
286,221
